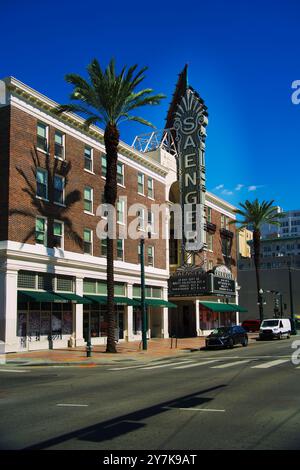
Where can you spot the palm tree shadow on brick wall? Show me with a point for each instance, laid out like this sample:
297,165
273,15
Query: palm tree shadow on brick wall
46,208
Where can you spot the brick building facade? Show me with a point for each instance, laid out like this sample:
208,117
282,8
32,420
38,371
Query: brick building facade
52,263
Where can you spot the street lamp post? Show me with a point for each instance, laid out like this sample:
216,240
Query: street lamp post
293,327
260,303
143,304
89,342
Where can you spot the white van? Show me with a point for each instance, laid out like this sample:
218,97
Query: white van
275,328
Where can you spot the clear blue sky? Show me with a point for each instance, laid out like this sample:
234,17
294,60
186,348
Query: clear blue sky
242,55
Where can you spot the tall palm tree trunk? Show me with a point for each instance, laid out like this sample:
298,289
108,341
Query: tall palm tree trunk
111,139
256,248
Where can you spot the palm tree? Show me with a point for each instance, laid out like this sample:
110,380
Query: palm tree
255,214
108,99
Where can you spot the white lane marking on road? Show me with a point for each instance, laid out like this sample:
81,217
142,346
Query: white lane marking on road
14,370
69,404
202,409
141,365
196,365
266,365
230,364
170,364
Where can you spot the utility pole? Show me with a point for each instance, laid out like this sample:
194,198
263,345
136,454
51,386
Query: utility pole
143,304
293,331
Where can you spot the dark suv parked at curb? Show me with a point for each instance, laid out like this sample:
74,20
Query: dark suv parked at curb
227,337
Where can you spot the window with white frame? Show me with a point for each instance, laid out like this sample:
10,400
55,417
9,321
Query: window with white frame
58,234
103,165
42,183
120,249
150,255
59,145
150,187
141,219
120,173
42,136
41,231
208,214
210,265
121,211
88,199
209,241
88,241
103,247
150,228
141,183
59,189
88,158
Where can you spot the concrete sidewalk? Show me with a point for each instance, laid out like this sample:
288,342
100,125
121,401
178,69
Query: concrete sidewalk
157,348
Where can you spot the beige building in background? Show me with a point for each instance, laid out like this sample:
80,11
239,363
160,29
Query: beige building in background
244,236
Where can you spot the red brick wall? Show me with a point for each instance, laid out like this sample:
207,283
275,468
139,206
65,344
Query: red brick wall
25,206
217,256
4,165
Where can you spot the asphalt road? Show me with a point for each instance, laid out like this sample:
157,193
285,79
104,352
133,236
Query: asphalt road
248,398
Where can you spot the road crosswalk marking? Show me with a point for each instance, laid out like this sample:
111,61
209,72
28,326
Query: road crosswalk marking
141,366
197,364
266,365
163,365
230,364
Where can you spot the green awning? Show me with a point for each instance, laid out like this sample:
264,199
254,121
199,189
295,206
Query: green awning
222,307
157,303
74,298
102,299
33,296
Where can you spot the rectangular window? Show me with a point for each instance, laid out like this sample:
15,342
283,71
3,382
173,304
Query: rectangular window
27,280
150,188
141,181
150,253
42,183
88,158
120,174
64,283
88,199
104,247
42,136
59,189
59,148
210,265
208,214
41,231
103,165
58,234
139,253
141,222
88,241
209,241
150,228
120,249
222,221
120,211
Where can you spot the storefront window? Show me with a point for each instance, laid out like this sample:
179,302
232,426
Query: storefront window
45,323
137,320
67,323
56,324
34,325
94,324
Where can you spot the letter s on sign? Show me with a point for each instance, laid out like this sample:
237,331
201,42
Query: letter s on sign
295,96
296,355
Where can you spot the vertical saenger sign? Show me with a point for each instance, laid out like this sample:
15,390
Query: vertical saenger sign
189,124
